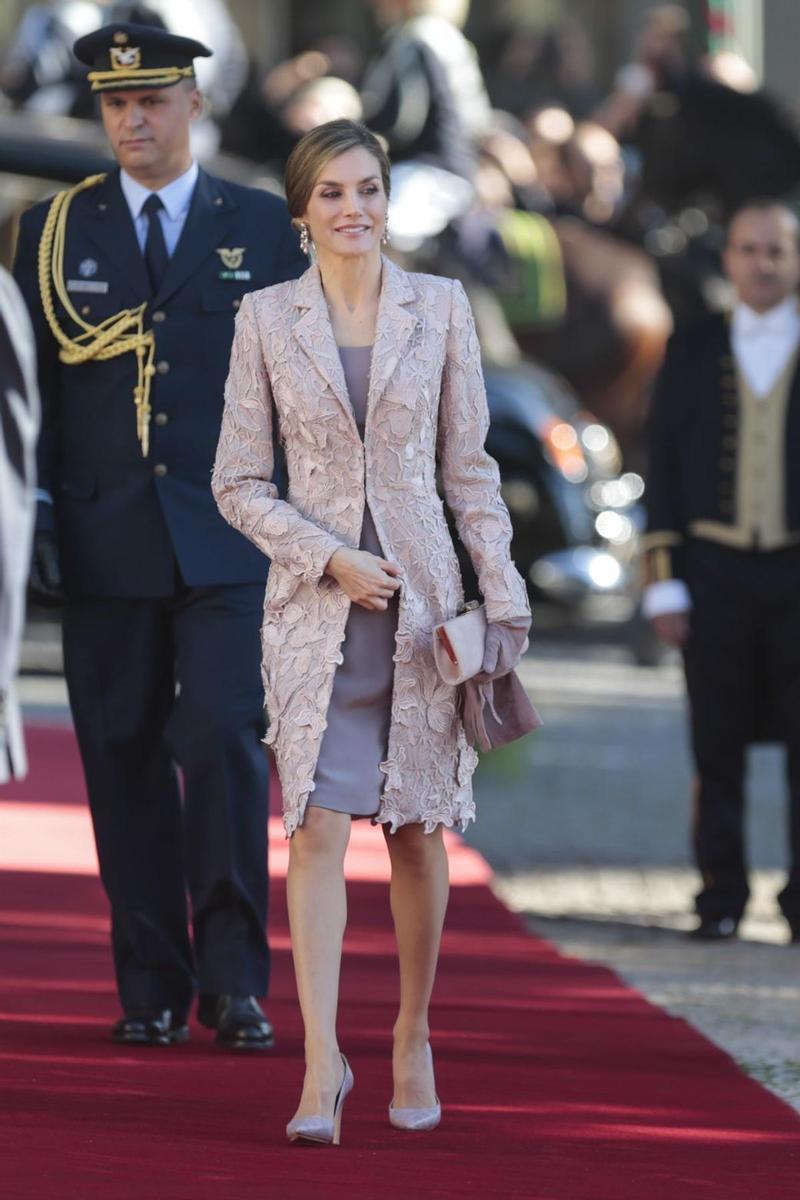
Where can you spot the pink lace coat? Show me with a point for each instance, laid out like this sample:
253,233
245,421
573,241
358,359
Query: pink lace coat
426,402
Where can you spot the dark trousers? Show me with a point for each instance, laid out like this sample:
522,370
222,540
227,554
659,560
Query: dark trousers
158,685
743,675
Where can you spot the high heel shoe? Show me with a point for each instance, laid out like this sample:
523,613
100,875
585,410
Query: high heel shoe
325,1130
417,1119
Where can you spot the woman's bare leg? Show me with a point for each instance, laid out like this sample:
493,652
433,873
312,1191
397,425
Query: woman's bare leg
317,916
419,891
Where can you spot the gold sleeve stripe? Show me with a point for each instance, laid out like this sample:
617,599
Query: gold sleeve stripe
659,539
139,77
122,333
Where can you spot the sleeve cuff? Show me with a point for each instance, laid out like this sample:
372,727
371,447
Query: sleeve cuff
666,596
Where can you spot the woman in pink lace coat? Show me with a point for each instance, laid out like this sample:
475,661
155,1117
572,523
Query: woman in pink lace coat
369,376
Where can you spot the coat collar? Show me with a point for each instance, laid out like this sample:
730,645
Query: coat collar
210,217
393,328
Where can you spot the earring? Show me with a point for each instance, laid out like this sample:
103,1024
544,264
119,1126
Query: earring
305,240
385,235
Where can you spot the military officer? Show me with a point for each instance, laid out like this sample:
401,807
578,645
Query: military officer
133,280
723,546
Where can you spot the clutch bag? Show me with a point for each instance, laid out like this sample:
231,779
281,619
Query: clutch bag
458,644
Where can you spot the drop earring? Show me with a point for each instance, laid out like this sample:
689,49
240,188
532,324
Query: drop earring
305,240
385,235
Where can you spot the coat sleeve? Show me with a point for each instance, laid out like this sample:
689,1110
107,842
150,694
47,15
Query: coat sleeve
242,476
663,541
470,476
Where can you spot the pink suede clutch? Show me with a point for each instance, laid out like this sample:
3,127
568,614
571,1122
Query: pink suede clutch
494,712
458,645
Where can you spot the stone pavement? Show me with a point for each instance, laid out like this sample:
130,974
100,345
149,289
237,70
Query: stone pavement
586,825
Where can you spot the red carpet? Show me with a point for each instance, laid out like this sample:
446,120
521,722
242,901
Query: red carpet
559,1083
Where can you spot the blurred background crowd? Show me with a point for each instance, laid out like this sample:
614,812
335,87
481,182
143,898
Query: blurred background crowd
571,161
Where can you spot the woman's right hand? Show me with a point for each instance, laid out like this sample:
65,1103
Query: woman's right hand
364,578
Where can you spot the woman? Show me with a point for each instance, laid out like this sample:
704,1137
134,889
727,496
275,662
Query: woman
368,374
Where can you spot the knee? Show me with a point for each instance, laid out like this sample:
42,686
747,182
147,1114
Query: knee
322,837
413,849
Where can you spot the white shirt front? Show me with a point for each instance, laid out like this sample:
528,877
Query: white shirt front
763,343
176,198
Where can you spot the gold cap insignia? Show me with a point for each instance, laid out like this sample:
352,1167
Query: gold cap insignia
231,258
127,59
120,38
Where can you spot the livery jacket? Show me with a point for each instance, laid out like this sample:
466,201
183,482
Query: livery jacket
693,440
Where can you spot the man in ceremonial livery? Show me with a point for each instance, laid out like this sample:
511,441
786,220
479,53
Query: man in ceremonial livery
133,281
723,546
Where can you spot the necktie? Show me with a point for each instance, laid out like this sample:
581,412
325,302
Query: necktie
155,248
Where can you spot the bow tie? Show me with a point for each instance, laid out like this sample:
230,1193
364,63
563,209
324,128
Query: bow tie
770,324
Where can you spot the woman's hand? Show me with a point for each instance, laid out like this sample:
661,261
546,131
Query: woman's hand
364,578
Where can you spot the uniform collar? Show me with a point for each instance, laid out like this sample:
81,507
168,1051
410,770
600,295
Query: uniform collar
782,319
176,196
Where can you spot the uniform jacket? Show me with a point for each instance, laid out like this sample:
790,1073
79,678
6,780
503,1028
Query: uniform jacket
426,402
693,440
122,520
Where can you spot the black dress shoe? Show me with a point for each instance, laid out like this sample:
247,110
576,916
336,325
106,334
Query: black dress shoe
150,1029
715,929
239,1021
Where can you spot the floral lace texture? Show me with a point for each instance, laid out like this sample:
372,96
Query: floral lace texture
426,399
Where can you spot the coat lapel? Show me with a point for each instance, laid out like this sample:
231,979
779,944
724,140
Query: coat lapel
314,333
393,329
211,215
112,230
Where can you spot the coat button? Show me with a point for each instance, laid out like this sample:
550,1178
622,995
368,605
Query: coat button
160,469
158,316
85,310
236,303
161,418
162,367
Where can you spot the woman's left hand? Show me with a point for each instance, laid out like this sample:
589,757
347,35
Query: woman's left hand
506,642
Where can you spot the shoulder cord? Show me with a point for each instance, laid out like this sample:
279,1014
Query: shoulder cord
122,333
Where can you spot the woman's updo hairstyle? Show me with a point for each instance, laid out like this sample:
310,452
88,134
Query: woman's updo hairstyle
319,146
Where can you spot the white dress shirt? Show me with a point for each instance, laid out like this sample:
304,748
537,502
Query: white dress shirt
176,198
762,344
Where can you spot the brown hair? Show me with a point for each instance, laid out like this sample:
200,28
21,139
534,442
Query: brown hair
319,146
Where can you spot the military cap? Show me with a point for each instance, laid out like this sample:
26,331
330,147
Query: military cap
137,56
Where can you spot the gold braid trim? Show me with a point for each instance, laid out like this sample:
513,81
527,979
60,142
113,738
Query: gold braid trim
139,77
123,333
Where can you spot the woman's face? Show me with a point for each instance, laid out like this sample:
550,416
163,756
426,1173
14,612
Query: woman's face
346,212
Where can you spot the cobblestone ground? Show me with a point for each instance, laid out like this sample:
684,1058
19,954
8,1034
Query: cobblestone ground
586,825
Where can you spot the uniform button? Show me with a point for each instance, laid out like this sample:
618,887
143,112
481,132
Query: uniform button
160,469
162,367
161,418
236,303
85,310
159,315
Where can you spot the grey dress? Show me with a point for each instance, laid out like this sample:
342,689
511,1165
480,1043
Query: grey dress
348,777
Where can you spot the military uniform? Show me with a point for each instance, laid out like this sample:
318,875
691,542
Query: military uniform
162,598
723,542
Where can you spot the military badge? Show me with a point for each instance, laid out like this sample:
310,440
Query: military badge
231,258
87,268
125,58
